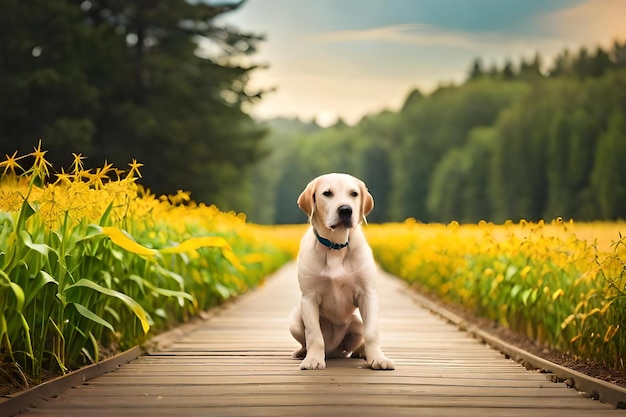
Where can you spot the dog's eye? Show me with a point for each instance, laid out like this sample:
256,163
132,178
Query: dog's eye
354,194
328,193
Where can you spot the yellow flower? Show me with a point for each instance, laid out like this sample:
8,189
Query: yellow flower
78,163
100,175
180,197
63,178
11,163
134,168
40,166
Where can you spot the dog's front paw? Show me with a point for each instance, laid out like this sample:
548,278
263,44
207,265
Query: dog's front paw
381,363
311,363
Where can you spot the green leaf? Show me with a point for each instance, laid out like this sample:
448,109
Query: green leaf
18,292
40,248
28,342
41,280
511,270
164,291
170,274
25,212
223,291
139,312
85,312
515,290
96,348
139,281
159,312
105,216
113,313
4,335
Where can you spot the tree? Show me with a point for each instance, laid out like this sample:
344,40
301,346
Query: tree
518,173
600,63
118,80
377,136
532,70
477,197
508,72
46,90
570,152
609,172
414,97
582,64
563,65
618,54
445,199
476,70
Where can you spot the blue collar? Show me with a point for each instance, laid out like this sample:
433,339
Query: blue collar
328,243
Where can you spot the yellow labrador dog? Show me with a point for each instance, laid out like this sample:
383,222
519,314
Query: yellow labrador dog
336,273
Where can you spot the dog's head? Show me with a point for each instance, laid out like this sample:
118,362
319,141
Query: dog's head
336,201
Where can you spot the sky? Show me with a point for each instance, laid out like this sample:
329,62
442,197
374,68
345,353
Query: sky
330,59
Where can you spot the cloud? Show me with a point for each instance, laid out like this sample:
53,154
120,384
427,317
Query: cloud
414,34
425,35
595,21
371,64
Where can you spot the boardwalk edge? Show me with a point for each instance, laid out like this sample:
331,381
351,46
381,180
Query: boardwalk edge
18,402
593,387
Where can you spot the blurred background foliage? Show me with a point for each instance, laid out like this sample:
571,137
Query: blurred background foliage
145,79
161,82
517,142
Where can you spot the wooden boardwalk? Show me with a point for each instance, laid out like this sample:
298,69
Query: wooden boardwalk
237,363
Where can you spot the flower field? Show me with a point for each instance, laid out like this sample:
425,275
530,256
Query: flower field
91,261
561,284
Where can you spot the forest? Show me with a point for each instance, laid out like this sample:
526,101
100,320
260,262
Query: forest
114,80
525,141
123,80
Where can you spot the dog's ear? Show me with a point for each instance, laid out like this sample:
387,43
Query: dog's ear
367,201
306,201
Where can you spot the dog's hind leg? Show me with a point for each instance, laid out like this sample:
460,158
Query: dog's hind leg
296,328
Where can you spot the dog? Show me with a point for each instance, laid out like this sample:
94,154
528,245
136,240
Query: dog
336,274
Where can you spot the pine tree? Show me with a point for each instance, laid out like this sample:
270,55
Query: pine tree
123,79
476,70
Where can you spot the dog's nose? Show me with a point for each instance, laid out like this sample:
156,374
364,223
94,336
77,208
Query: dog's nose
345,212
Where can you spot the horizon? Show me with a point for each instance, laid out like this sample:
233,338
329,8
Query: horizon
359,64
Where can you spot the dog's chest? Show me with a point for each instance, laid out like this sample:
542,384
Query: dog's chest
337,291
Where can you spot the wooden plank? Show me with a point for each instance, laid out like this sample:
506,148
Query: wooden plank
355,389
332,397
238,363
313,410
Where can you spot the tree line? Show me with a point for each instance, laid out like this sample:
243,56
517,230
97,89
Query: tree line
516,142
